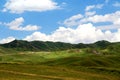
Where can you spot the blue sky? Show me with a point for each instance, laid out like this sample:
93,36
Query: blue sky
73,21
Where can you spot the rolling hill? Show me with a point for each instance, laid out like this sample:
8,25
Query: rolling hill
37,60
22,45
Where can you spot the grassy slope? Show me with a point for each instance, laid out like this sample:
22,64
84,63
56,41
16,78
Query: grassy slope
62,65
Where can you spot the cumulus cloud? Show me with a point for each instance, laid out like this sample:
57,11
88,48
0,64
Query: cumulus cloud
112,18
89,7
73,21
90,27
37,36
7,40
85,33
19,6
90,13
17,25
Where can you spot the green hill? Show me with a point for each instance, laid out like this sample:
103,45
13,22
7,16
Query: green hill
21,45
37,60
72,64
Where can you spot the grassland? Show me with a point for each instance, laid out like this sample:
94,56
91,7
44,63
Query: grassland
75,64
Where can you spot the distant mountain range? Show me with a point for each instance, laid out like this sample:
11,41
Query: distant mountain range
36,45
21,45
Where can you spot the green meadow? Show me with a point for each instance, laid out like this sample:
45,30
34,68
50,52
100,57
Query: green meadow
72,64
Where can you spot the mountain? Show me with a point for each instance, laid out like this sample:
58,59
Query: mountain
99,44
37,45
102,44
21,45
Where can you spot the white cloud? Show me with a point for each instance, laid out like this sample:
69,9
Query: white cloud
116,37
89,7
72,21
92,17
116,4
90,13
37,36
19,6
79,18
17,25
85,33
108,27
98,6
7,40
113,18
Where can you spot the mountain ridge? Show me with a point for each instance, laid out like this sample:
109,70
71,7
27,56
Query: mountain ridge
36,45
22,45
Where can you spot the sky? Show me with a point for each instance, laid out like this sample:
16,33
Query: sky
70,21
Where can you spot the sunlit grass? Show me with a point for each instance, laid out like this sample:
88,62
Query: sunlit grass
74,64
